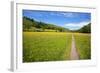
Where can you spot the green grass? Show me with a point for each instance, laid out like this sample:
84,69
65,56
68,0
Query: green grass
54,46
46,46
83,45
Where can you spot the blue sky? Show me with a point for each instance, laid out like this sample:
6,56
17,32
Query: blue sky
70,20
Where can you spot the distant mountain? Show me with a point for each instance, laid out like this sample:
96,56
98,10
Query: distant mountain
33,25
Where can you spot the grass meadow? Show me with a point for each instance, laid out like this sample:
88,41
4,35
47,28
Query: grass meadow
54,46
46,46
83,45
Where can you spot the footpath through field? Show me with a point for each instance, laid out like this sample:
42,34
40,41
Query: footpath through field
74,54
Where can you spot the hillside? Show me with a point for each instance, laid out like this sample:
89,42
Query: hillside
37,26
85,29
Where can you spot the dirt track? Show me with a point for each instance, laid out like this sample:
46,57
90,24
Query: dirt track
74,54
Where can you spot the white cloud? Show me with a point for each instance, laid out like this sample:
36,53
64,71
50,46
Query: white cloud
68,14
64,14
75,26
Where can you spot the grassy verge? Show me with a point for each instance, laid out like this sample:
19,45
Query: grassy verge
83,44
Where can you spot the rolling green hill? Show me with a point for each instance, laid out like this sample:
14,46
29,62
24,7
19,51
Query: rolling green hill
38,26
33,25
85,29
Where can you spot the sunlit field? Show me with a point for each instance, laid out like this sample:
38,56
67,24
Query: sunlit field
46,46
54,46
83,43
